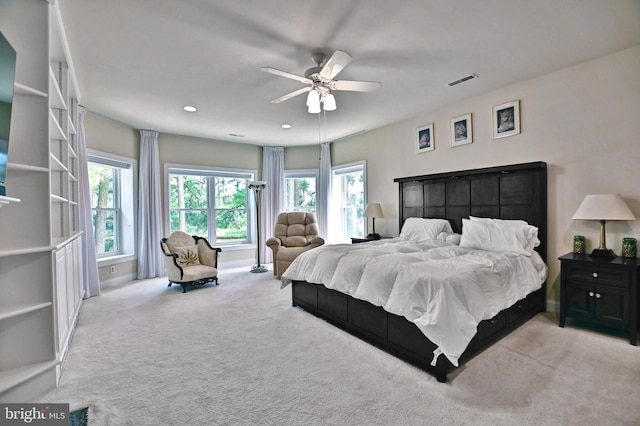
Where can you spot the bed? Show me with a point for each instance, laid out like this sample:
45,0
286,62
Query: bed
487,198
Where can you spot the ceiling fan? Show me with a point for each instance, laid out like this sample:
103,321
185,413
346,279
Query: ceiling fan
320,81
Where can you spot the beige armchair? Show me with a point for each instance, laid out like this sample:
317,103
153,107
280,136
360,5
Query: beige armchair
295,233
189,260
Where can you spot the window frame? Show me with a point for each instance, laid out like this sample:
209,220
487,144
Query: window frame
211,173
125,204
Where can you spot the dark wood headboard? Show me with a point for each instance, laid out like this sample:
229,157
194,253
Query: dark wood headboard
517,191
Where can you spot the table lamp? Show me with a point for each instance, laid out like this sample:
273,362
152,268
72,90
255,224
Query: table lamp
603,207
373,210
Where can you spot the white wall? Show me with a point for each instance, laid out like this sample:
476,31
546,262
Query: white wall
583,121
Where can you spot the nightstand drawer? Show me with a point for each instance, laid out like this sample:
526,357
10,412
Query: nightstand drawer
597,274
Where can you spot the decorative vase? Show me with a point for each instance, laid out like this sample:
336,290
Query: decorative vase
578,244
629,247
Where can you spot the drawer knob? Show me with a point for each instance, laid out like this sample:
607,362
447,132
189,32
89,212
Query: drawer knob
595,275
597,295
591,294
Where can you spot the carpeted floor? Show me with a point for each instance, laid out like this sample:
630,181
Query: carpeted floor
239,354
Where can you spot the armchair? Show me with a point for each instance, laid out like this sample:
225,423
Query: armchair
189,260
295,233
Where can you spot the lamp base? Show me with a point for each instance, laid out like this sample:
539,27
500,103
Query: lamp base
258,268
373,237
603,253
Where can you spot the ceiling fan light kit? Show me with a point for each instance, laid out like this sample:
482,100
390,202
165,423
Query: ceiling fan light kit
320,82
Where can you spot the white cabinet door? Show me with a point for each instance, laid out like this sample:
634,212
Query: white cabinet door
62,316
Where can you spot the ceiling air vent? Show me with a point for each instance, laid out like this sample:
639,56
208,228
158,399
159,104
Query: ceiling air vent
463,79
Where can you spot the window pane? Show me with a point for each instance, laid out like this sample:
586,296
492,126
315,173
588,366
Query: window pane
231,193
354,224
301,194
193,222
188,192
353,193
101,181
105,225
231,225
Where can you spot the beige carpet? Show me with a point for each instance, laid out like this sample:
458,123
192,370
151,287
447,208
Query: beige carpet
239,354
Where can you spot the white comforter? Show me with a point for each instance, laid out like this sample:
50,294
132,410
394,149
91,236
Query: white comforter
446,290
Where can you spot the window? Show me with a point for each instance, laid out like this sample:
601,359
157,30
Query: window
210,203
111,179
300,190
348,188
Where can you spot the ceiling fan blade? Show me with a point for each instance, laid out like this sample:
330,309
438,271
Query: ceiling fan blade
335,64
291,95
287,75
355,86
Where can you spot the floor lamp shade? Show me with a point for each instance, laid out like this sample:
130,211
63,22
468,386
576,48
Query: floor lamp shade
603,207
257,187
373,210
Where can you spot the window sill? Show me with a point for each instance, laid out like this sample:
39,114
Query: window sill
235,247
114,260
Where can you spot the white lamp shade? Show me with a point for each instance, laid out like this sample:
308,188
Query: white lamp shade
313,98
603,207
329,103
373,210
314,108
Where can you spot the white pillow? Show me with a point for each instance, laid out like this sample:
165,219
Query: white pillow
532,230
450,237
489,219
502,237
421,229
187,256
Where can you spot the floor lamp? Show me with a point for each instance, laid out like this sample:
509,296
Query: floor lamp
257,187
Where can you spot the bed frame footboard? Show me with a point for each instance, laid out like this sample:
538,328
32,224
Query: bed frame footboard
399,336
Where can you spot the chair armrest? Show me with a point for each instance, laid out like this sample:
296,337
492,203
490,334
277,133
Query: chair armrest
274,241
174,270
317,241
208,255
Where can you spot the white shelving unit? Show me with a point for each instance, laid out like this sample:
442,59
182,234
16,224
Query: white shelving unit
41,284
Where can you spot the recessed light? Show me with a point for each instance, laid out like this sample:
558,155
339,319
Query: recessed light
190,108
286,126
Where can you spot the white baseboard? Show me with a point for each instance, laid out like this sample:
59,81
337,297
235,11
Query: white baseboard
241,264
116,282
553,306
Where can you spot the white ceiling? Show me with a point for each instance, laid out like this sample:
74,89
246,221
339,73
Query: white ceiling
140,61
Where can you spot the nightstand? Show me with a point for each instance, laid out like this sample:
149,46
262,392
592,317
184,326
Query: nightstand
602,292
356,240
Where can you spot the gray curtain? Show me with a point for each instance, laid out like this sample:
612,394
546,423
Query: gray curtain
273,195
323,190
150,262
90,271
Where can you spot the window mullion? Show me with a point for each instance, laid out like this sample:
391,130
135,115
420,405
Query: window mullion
211,208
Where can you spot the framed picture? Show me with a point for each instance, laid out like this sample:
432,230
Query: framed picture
506,119
461,130
425,141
